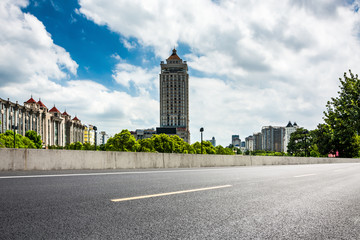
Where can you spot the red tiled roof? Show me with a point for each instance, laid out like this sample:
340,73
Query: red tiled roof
65,113
41,104
54,109
31,100
174,56
76,119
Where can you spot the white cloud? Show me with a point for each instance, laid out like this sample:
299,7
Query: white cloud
144,79
26,48
257,62
30,63
129,45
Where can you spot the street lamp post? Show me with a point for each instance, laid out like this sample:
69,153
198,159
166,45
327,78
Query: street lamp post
95,128
201,131
13,126
306,133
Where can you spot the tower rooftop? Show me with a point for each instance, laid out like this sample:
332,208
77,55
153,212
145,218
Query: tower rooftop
174,56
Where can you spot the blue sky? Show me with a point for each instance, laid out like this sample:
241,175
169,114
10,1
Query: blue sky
251,63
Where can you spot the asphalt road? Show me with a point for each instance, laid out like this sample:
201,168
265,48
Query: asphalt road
272,202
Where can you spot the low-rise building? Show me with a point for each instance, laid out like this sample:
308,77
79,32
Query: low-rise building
54,127
143,133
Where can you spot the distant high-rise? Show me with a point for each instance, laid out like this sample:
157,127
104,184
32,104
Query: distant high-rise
273,138
174,97
249,143
235,141
289,129
257,141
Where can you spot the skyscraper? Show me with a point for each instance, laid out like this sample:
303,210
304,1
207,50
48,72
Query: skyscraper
273,138
289,129
174,97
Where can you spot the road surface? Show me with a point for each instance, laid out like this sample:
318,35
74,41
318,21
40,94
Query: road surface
267,202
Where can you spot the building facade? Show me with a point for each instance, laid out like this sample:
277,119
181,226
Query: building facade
289,129
273,138
143,133
174,96
249,143
54,127
103,137
257,142
235,141
89,134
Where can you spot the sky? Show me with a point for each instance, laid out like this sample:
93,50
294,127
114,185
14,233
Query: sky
251,63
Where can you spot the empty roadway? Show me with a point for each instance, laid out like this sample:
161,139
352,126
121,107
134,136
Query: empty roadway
268,202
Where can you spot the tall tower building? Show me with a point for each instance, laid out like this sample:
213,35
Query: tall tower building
174,97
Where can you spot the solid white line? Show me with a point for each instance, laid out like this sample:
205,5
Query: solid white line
168,193
107,173
305,175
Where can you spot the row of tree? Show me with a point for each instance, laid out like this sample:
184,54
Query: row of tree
163,143
339,134
122,141
30,140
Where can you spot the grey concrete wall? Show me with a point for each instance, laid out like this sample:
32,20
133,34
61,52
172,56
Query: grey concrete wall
40,159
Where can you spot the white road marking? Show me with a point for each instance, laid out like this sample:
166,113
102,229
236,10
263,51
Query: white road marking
108,173
305,175
168,193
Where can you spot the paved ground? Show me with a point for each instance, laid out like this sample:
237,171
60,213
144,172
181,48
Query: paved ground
273,202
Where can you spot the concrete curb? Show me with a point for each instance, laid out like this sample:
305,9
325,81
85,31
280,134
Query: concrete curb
42,159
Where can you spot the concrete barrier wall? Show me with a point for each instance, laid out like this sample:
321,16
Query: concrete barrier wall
40,159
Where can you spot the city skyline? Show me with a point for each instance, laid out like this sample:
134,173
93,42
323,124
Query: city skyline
250,64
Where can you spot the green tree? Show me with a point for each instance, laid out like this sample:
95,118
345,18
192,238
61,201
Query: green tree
33,136
146,145
238,151
7,140
163,143
88,146
122,141
207,147
300,142
322,140
343,117
72,146
224,151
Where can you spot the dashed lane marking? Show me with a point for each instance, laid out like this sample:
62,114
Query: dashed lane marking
305,175
169,193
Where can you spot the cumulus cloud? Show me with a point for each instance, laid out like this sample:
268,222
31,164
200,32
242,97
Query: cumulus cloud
26,48
143,79
30,63
256,62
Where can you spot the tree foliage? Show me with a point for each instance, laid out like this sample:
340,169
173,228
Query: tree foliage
322,140
75,146
122,141
7,140
33,136
342,116
300,142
